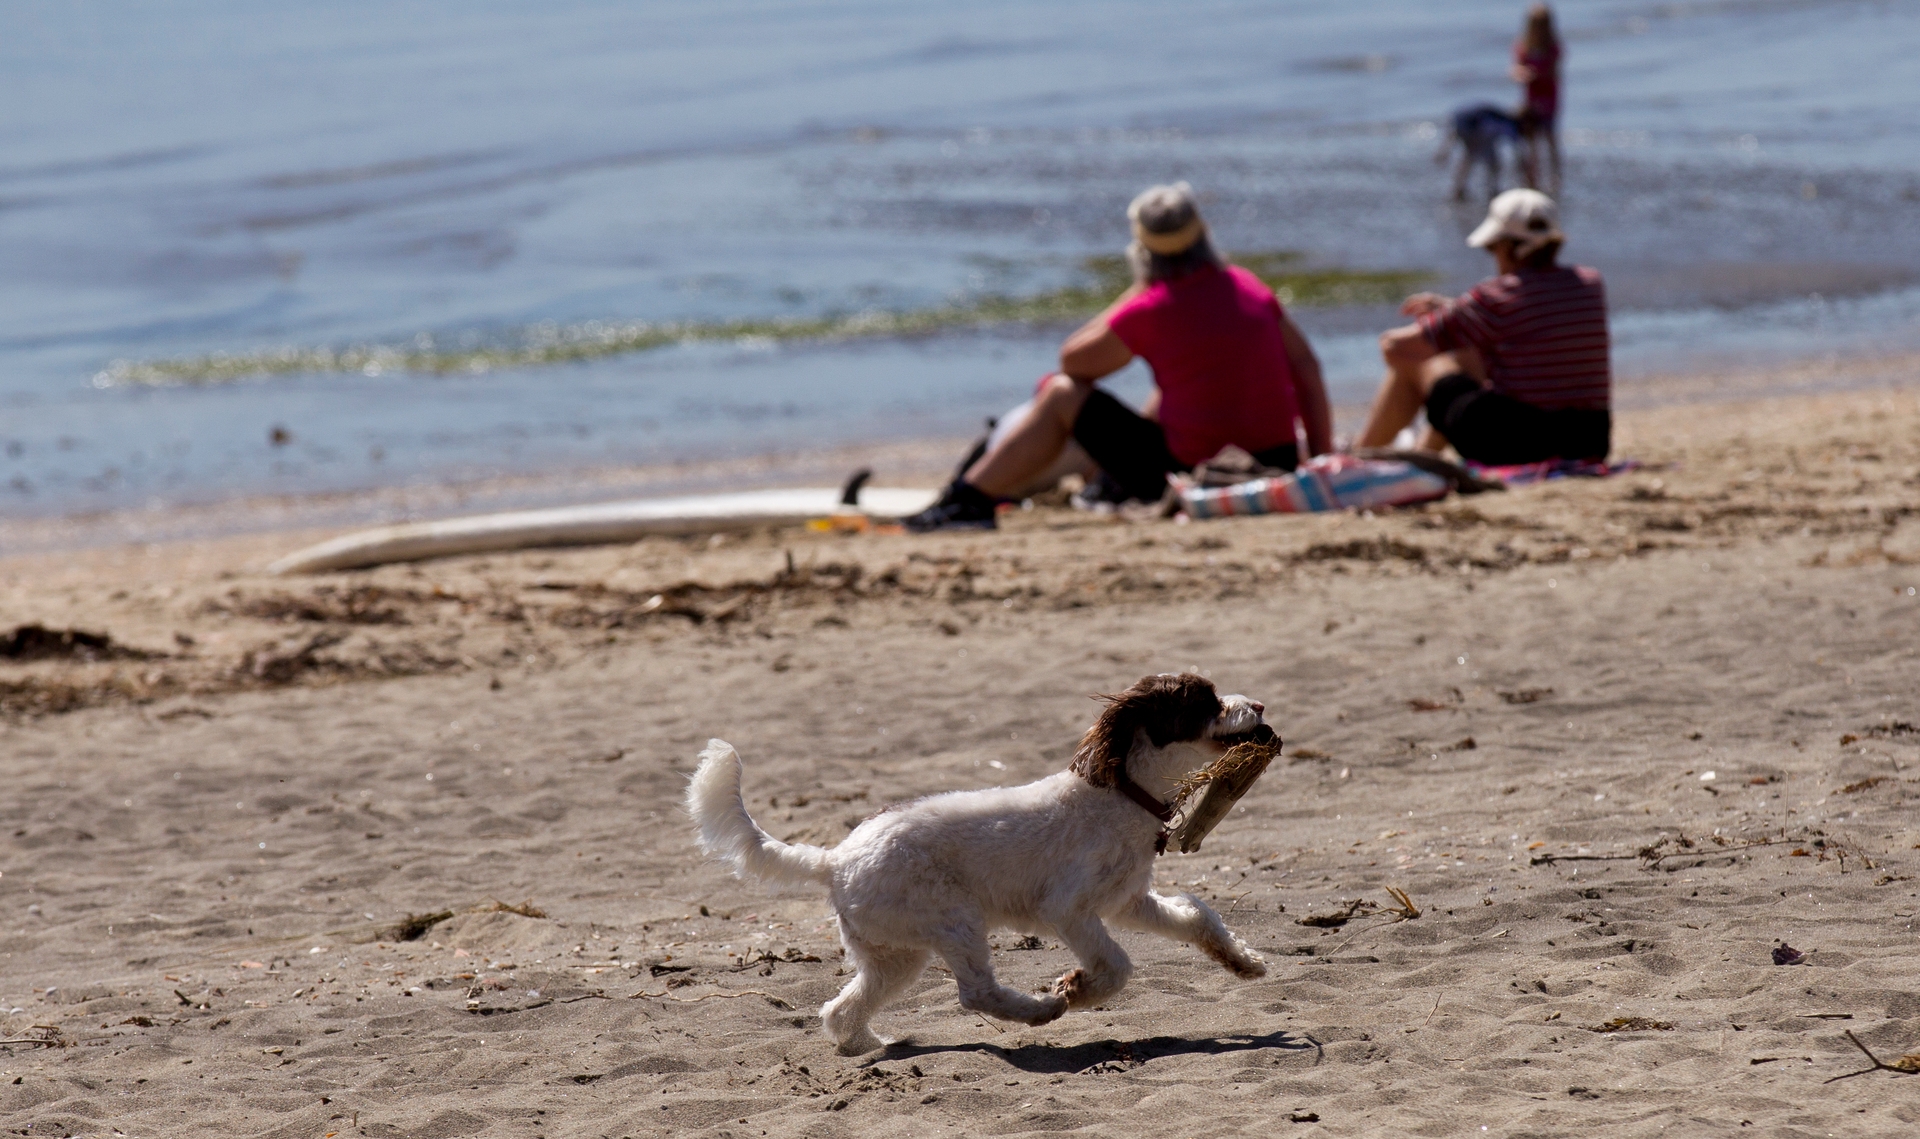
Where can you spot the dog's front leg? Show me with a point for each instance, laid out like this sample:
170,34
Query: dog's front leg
1104,966
1187,918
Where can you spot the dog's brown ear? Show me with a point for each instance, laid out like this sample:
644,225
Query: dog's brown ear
1169,707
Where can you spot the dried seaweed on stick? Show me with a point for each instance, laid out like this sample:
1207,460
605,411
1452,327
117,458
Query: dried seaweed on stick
1226,779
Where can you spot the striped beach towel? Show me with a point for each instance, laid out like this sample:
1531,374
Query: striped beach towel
1326,482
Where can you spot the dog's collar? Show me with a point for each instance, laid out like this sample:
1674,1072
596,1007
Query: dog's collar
1149,804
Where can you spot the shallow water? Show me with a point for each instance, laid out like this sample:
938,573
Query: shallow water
210,178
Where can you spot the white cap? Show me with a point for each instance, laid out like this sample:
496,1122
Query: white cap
1527,216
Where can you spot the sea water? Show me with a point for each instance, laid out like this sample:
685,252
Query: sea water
358,182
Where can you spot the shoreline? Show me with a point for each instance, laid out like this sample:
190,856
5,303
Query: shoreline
922,461
896,462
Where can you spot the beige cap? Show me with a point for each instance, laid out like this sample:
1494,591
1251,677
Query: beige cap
1526,216
1170,244
1160,205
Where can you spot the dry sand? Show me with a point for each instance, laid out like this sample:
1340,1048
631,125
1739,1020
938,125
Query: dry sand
1507,706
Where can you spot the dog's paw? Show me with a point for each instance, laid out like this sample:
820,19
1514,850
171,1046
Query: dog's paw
1052,1007
860,1043
1242,961
1085,990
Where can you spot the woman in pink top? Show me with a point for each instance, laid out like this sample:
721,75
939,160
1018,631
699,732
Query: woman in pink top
1229,367
1536,67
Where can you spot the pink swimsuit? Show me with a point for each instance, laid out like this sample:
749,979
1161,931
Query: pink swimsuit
1543,90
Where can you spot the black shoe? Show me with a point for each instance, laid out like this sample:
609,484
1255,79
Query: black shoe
962,507
1105,494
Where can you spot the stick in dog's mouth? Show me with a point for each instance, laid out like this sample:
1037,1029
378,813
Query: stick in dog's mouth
1226,779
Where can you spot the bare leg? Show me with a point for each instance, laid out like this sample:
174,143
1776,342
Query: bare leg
1461,171
1530,158
967,955
1552,134
1031,447
1405,350
880,973
1413,366
1187,918
1104,967
1394,406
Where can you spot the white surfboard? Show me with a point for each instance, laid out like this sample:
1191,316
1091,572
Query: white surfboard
592,525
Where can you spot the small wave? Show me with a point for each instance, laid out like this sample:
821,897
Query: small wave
551,343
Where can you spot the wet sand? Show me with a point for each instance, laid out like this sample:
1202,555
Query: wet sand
1507,706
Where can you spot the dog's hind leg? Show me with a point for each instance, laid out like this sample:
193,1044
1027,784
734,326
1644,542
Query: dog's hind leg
1104,967
880,973
1187,918
980,991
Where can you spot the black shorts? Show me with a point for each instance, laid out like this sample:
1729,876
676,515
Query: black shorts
1133,449
1488,427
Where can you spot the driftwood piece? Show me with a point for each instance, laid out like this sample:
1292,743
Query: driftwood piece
1907,1065
1225,780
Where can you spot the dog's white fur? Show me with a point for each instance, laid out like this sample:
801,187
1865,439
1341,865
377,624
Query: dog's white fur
1060,856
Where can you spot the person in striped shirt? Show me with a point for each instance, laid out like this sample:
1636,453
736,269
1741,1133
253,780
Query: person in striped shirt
1514,371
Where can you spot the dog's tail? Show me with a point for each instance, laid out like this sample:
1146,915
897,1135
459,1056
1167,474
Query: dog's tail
727,831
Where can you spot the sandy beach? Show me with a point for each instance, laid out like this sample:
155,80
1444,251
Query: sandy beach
399,852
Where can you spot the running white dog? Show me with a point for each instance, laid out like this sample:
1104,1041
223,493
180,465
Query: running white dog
1060,856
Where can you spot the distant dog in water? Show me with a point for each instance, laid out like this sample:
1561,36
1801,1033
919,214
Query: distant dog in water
1062,856
1479,130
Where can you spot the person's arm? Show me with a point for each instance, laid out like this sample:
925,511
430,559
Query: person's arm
1420,304
1521,71
1434,328
1095,350
1309,389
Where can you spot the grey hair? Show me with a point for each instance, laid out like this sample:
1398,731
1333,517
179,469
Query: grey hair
1164,209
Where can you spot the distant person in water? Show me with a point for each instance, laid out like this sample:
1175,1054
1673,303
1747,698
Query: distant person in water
1536,67
1516,370
1229,368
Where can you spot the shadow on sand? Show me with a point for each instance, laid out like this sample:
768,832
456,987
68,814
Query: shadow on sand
1107,1055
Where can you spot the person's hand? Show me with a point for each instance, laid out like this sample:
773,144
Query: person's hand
1420,304
1522,73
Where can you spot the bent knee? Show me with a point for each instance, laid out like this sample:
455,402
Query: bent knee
1405,346
1062,394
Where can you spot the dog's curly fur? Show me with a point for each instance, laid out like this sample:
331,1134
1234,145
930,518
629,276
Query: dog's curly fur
1062,856
1169,707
